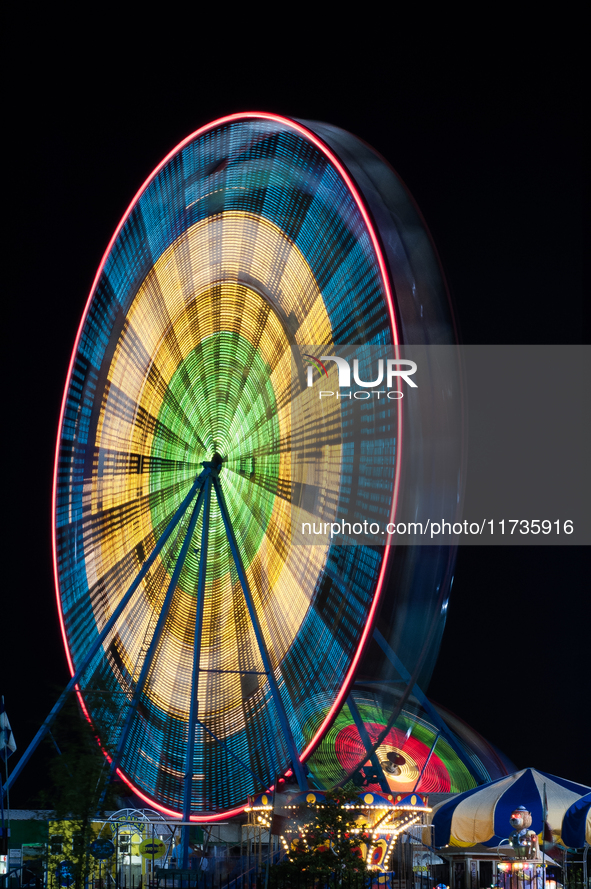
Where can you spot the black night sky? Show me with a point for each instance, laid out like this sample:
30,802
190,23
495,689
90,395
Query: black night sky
489,142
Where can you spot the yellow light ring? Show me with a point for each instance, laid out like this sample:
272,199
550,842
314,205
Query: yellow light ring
167,321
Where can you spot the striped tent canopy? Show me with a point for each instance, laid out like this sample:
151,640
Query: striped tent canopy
482,815
576,824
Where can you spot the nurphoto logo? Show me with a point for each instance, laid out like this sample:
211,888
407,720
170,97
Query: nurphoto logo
391,371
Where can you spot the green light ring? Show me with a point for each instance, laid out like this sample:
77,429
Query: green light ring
245,425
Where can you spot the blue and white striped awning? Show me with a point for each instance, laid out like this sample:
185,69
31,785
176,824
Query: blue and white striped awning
576,824
482,815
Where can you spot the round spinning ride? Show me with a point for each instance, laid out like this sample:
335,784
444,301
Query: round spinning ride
216,641
413,753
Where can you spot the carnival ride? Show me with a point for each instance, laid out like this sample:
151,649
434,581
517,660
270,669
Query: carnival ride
377,818
425,750
223,654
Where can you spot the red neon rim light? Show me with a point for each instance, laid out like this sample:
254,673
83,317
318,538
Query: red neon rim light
353,190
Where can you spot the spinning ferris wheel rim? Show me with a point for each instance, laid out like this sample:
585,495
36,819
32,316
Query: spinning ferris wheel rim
387,285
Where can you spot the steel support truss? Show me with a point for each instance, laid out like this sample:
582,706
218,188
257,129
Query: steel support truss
202,487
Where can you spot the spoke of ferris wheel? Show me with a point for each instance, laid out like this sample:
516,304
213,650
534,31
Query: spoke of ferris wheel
97,643
297,766
194,701
231,753
426,763
366,741
147,663
427,705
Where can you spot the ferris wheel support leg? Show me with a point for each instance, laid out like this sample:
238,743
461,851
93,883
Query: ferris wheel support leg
297,766
427,705
104,633
194,702
154,642
366,741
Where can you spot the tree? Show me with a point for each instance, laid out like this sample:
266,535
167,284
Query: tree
78,775
327,840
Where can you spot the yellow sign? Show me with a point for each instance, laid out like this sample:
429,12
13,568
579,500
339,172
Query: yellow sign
152,848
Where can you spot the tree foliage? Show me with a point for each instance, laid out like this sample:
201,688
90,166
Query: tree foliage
77,777
79,771
326,839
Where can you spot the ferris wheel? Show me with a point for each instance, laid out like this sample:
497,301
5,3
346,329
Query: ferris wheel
216,643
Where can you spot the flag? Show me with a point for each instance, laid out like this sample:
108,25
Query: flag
7,743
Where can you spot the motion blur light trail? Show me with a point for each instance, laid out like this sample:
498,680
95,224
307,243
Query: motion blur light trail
255,234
